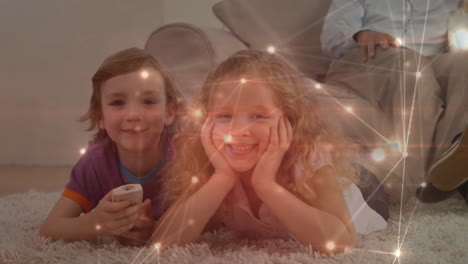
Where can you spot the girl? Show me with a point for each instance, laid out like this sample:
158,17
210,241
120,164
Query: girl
133,108
265,164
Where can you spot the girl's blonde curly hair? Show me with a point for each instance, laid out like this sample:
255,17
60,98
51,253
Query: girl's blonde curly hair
292,96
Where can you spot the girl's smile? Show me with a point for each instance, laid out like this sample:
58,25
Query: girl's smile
245,114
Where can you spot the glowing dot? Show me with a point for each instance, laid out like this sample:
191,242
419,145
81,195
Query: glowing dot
397,253
330,245
329,147
279,189
418,74
389,185
405,154
190,222
157,246
194,179
318,86
271,49
407,64
98,227
227,138
378,154
423,185
395,145
399,41
197,113
460,39
243,80
144,74
349,109
82,151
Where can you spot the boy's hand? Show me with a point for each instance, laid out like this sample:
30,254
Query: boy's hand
368,39
267,166
141,232
115,218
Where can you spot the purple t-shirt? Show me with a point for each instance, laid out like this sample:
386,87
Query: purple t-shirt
97,173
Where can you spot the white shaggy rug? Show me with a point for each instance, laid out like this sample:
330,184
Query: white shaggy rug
438,233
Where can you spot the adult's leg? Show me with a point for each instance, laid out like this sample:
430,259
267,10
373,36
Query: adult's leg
333,102
451,70
450,171
412,102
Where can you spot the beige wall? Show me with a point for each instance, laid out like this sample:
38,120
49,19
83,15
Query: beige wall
49,50
191,11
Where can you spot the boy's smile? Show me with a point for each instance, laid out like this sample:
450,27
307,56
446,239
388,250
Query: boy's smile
134,111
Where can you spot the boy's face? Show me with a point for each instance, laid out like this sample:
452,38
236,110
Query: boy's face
134,110
243,114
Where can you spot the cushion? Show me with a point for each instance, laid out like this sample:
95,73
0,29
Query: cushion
189,53
292,26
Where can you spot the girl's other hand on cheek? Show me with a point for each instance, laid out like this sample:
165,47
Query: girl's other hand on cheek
219,163
267,166
115,218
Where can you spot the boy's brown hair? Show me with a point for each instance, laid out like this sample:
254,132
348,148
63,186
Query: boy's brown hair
122,62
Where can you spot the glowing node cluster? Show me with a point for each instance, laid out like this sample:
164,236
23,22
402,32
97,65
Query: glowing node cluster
405,154
227,138
98,227
243,80
318,86
423,185
157,246
82,151
399,41
397,253
194,179
418,74
271,49
144,74
349,109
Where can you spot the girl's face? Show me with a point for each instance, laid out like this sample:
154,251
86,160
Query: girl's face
134,110
243,116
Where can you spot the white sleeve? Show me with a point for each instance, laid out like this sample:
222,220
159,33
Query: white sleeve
344,19
365,219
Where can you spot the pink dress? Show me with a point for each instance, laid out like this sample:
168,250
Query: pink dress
238,215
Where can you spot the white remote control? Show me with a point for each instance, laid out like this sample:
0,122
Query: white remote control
130,192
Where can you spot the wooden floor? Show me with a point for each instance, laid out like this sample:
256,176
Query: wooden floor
41,178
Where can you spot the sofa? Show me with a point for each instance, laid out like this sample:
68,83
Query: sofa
293,27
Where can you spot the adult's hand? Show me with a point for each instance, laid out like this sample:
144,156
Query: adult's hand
368,39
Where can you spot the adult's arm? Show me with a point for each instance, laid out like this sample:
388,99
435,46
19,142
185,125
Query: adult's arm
343,21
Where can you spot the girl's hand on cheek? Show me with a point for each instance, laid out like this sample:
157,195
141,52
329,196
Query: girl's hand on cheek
219,163
267,166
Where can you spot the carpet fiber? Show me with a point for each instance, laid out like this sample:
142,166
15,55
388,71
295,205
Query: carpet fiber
437,234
